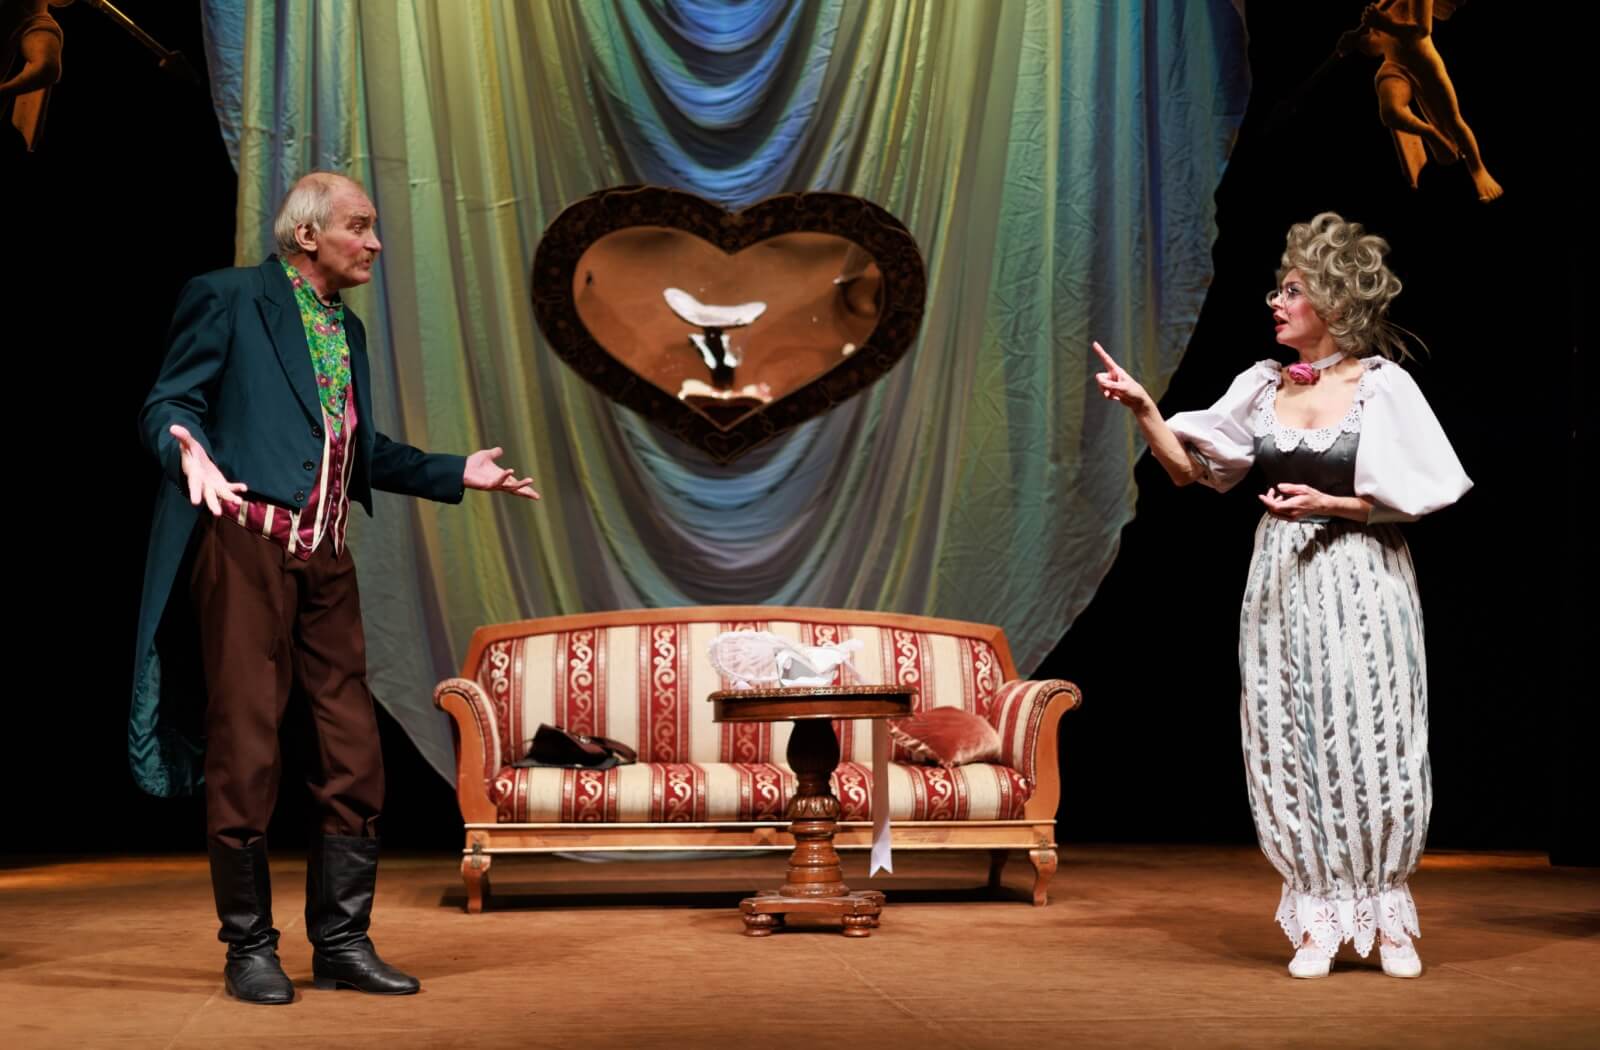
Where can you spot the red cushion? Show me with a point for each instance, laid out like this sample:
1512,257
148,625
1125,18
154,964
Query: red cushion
947,736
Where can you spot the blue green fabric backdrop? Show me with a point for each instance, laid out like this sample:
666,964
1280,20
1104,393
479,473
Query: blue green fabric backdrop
1055,161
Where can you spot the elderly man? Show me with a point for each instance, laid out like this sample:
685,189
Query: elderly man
262,420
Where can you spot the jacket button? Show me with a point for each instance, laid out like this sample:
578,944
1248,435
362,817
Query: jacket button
309,465
316,432
300,497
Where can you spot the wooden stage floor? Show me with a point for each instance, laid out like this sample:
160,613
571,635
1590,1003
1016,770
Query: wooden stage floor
1141,946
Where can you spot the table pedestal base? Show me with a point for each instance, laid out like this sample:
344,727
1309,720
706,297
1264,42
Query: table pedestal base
764,913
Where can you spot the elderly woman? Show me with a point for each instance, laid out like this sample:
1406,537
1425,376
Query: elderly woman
1334,681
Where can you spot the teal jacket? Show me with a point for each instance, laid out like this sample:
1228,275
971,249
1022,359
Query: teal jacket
238,376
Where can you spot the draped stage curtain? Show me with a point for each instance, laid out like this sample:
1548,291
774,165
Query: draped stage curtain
1055,161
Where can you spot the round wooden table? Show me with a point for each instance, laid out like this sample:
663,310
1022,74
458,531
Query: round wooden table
815,885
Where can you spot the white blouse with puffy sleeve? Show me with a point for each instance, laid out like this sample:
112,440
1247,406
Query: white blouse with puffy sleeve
1404,463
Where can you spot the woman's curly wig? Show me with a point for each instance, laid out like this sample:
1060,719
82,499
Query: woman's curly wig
1342,268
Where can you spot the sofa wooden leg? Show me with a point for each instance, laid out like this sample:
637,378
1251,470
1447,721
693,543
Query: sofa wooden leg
997,864
475,873
1044,867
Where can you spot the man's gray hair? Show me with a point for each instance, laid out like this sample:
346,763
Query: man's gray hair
308,203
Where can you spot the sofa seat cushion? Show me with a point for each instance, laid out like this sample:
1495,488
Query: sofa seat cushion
663,792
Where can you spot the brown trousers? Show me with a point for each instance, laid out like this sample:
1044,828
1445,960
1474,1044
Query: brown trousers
269,621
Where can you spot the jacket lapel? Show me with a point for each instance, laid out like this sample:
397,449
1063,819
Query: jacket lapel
282,318
360,372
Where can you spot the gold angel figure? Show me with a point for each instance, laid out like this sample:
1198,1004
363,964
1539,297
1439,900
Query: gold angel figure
1416,100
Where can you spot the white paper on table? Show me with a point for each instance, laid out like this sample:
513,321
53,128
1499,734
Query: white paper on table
881,860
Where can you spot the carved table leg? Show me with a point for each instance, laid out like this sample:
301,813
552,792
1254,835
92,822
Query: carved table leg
814,864
815,885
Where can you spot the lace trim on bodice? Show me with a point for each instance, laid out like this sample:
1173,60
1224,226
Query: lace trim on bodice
1287,439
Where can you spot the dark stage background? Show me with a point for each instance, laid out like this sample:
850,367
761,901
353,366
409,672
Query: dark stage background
132,194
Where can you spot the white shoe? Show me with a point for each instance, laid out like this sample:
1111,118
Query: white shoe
1309,962
1400,960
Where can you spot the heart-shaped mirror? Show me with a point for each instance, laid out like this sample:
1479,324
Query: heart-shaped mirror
727,328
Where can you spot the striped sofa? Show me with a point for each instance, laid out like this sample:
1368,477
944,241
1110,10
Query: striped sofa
642,677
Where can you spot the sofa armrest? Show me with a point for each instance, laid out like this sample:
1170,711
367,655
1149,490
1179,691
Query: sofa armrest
477,745
1027,715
